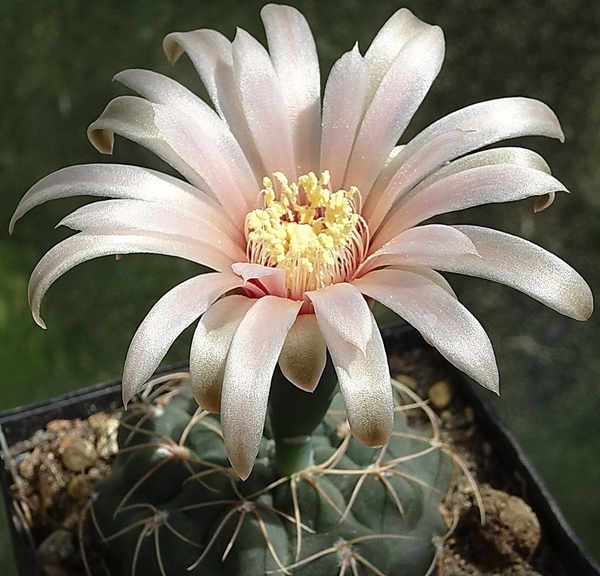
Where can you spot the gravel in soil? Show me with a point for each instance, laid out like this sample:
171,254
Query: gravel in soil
491,529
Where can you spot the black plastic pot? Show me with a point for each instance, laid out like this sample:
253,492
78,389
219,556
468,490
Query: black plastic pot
568,556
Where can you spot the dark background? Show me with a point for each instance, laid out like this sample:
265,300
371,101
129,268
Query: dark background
56,63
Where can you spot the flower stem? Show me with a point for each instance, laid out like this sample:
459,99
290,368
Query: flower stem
294,414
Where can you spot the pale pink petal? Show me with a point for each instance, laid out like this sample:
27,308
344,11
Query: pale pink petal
125,215
190,146
294,55
133,118
271,279
82,247
439,317
118,181
343,106
480,185
167,319
397,98
393,35
211,130
518,156
544,202
344,309
264,105
197,149
420,245
518,263
253,354
212,56
210,347
304,354
453,136
428,273
208,50
364,381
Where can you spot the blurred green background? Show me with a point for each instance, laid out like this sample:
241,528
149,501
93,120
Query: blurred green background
56,62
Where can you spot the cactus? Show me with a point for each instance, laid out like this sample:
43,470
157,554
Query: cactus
172,504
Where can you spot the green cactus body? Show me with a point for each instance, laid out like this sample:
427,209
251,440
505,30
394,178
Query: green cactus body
173,506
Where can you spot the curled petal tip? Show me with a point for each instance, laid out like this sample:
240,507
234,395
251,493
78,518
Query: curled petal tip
172,48
545,201
102,140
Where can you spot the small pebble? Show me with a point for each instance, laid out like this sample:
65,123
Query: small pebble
440,395
77,453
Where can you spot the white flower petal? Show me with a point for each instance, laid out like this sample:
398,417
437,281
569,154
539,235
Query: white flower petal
391,38
397,98
133,118
304,354
480,185
364,381
206,128
183,142
212,56
442,320
82,247
343,308
126,215
420,245
167,319
453,136
271,279
522,265
210,347
343,107
294,55
131,182
264,106
254,351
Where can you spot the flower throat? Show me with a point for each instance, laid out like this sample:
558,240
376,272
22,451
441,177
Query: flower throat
315,235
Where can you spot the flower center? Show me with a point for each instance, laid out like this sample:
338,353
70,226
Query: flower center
312,233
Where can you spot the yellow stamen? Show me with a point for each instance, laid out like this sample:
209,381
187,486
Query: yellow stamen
312,233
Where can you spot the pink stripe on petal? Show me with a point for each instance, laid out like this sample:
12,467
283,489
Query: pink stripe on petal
167,319
343,107
82,247
264,105
294,55
397,98
254,351
210,347
474,187
343,308
364,381
441,319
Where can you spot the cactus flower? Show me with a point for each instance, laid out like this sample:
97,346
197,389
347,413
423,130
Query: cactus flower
306,211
